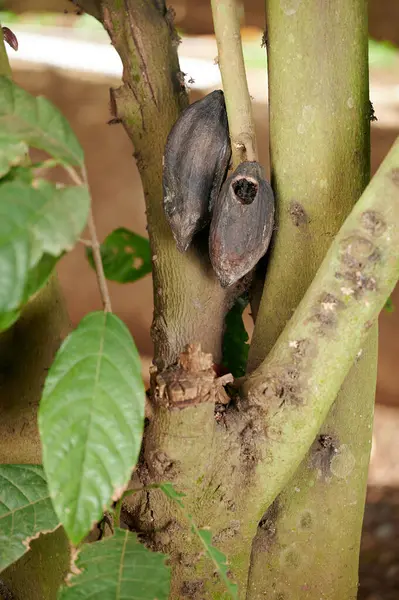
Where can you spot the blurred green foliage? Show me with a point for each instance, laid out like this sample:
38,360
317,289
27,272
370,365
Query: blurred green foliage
381,53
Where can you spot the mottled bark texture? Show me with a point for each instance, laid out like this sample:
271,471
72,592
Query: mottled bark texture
319,137
189,302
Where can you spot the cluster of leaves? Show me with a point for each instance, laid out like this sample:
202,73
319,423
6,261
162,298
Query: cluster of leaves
91,414
39,221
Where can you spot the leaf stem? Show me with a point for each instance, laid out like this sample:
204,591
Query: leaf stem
231,63
95,245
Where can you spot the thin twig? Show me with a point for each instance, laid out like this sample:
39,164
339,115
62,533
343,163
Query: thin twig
231,63
95,245
73,175
87,243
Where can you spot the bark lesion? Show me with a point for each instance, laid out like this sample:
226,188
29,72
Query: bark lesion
192,380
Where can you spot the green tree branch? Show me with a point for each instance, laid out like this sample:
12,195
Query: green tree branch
295,386
319,135
231,62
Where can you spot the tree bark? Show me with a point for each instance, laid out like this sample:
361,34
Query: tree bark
308,543
190,304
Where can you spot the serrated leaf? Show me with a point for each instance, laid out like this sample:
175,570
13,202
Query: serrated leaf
35,221
126,256
235,345
169,490
35,121
91,420
118,567
205,536
25,510
12,153
218,558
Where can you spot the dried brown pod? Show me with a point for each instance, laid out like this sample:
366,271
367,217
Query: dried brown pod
196,159
242,223
10,38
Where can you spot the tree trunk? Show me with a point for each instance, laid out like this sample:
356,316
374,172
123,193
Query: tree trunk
308,543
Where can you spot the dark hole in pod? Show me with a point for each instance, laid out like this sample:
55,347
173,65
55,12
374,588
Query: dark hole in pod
245,190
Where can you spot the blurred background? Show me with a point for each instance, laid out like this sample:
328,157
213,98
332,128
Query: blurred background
67,57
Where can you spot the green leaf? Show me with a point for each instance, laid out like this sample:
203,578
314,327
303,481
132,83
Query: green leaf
205,536
25,510
382,54
235,346
35,121
91,420
19,173
12,153
169,490
8,319
35,221
118,567
39,275
218,558
126,256
389,305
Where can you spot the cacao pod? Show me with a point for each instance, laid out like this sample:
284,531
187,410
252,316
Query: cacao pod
242,223
196,159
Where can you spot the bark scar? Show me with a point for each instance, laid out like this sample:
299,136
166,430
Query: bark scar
191,381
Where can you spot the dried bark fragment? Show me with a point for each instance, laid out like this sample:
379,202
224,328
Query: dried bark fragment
191,381
242,223
196,159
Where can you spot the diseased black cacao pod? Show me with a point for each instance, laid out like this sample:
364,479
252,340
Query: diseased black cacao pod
242,223
196,159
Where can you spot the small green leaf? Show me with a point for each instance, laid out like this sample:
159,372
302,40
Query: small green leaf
389,305
12,153
118,567
126,256
8,319
382,54
35,221
35,121
173,494
25,510
19,173
91,420
39,275
235,346
205,536
218,558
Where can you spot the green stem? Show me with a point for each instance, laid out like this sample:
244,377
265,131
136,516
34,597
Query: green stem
296,385
5,69
231,62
